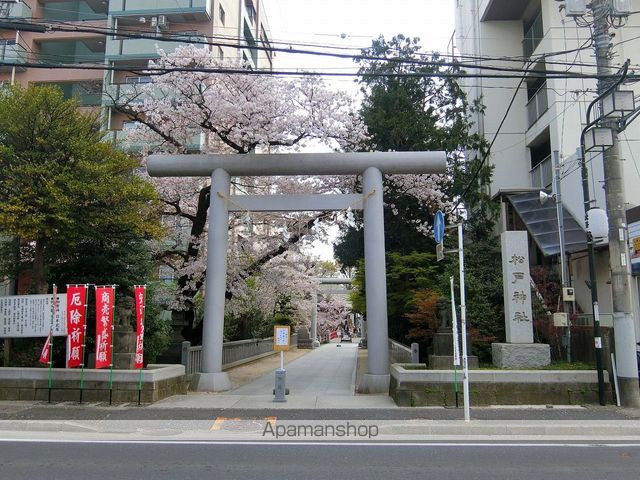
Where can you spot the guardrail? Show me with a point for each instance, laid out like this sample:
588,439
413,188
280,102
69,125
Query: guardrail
233,353
399,353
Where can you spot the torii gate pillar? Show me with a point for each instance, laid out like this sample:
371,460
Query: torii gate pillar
376,380
212,378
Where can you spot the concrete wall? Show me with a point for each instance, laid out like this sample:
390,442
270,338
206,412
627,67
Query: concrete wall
158,382
411,387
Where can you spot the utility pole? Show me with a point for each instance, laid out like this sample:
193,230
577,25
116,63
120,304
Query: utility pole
623,318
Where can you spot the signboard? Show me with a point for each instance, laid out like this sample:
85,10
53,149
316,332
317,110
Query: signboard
439,252
633,226
517,287
281,337
24,316
438,226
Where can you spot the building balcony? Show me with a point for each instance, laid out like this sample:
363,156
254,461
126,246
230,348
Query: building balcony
19,10
143,48
77,11
87,94
178,10
119,138
15,54
126,93
86,50
537,105
542,174
533,36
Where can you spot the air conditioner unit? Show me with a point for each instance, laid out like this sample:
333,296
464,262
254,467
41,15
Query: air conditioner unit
575,8
162,22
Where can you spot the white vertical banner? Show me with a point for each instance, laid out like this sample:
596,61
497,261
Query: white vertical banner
454,327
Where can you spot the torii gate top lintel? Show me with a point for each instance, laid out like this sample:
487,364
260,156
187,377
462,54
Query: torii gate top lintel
200,165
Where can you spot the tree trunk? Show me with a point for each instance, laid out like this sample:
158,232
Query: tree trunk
38,277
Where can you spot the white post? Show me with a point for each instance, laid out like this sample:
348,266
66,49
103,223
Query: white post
463,323
212,378
563,261
314,322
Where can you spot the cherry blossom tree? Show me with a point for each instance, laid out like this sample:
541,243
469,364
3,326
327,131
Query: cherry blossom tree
333,311
235,113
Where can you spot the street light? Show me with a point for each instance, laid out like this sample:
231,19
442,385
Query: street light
595,137
618,104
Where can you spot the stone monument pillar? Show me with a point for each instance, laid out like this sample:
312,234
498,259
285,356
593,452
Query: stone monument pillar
519,351
442,346
124,335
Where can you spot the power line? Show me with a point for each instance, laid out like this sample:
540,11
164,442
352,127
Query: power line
181,39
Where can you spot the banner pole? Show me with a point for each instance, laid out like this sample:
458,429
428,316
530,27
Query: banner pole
142,321
456,346
53,316
111,349
84,339
463,324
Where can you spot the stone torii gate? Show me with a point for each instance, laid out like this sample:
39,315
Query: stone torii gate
314,311
371,165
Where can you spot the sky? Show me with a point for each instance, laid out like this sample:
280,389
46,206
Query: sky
352,24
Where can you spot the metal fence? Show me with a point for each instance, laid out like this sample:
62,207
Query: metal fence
233,353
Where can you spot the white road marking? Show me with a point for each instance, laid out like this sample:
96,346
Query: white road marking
585,444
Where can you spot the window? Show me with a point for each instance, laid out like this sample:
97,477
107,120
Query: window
137,80
221,14
251,11
533,34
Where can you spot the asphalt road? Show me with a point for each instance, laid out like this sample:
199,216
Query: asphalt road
159,461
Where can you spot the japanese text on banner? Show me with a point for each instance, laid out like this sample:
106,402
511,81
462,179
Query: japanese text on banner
104,324
76,318
140,294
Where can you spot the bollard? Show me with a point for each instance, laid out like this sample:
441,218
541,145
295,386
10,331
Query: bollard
280,389
415,353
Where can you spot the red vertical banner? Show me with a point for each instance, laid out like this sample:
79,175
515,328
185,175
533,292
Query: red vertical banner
139,291
76,324
45,355
105,297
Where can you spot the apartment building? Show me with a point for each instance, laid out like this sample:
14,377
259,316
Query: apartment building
546,116
105,39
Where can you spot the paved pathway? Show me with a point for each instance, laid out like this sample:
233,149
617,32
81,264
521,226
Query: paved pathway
328,370
322,379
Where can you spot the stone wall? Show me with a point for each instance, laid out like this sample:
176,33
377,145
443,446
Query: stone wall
158,382
416,388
